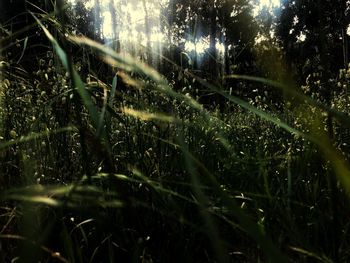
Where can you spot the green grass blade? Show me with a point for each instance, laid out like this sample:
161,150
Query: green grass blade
310,254
113,90
24,49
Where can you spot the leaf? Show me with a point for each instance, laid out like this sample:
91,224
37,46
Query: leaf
113,90
24,49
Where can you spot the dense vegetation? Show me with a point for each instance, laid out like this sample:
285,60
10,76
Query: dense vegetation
240,155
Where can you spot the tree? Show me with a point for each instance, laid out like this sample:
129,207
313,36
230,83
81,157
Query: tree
229,22
240,31
309,30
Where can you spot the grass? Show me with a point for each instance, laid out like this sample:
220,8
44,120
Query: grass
134,170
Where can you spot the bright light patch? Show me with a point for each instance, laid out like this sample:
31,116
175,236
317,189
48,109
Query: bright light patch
348,31
131,29
301,37
260,38
220,47
157,37
107,28
295,20
128,35
202,45
89,4
189,46
199,47
269,4
131,21
136,14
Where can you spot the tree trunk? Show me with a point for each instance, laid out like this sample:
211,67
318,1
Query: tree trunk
98,20
116,41
148,34
334,191
212,35
344,25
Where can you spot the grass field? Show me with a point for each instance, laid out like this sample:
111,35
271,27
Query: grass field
129,168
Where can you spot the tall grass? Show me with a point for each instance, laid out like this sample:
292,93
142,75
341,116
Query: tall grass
134,170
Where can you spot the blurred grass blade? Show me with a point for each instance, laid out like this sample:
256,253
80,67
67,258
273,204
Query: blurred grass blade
147,116
210,225
128,63
338,161
253,109
33,199
311,254
124,60
113,90
35,136
250,227
101,121
157,186
74,196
